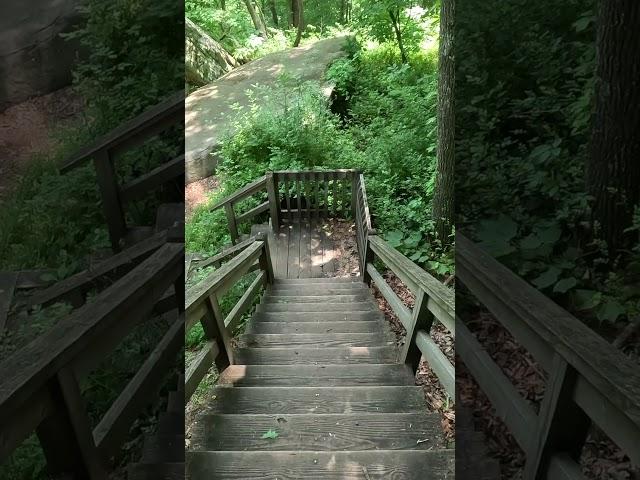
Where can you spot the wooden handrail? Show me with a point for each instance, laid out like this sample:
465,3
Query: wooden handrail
585,371
39,384
433,301
242,193
202,305
138,129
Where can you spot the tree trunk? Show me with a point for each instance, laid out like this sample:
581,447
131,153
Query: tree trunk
300,23
274,12
205,59
343,11
223,5
443,199
395,21
295,15
613,169
255,18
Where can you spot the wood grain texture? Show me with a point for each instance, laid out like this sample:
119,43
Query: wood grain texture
316,375
318,400
320,340
375,326
7,286
313,356
378,465
362,306
330,432
366,315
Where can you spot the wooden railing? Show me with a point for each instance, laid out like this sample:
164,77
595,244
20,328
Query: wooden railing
203,305
362,218
107,149
434,301
293,195
39,384
588,379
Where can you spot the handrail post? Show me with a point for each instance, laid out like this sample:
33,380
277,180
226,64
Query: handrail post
422,319
215,330
561,426
66,436
265,258
367,257
110,194
231,219
274,203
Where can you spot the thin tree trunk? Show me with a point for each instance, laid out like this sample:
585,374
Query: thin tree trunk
343,11
300,23
613,170
223,5
395,20
295,16
255,18
274,12
443,199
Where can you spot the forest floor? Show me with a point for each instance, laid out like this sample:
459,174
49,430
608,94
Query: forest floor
198,193
26,131
211,110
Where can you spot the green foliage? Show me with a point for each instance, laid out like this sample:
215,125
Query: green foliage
270,434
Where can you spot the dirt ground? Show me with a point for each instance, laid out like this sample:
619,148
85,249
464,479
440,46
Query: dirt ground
197,193
26,128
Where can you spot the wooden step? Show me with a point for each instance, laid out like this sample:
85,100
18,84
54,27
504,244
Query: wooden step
367,306
311,281
315,375
349,465
156,471
330,432
319,317
163,448
318,289
315,356
318,400
316,340
319,299
256,327
171,423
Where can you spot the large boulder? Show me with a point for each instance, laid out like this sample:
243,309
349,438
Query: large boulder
205,59
34,59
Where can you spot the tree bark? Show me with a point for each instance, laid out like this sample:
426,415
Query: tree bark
205,59
613,169
443,199
295,15
300,23
274,12
258,22
395,21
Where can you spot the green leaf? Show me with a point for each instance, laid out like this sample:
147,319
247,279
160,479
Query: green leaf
582,23
530,242
586,299
272,434
394,239
550,234
610,311
565,285
548,278
413,240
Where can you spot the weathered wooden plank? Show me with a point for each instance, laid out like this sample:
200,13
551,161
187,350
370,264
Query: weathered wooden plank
311,356
98,276
362,431
314,298
421,319
7,286
412,275
274,205
606,369
350,288
294,267
216,260
218,280
400,309
378,465
156,471
155,178
318,400
90,330
363,306
438,362
321,340
563,467
313,281
231,322
199,367
139,392
215,329
316,249
232,222
319,317
376,327
28,279
510,406
249,214
150,122
316,375
328,254
244,192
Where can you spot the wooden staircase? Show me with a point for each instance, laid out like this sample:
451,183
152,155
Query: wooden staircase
317,369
